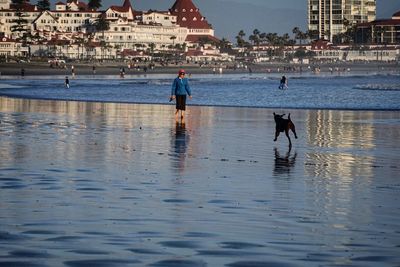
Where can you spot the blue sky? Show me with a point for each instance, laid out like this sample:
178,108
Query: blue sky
230,16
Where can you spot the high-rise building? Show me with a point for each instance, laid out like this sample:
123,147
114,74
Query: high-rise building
327,18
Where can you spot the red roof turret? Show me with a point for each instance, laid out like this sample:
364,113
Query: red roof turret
188,15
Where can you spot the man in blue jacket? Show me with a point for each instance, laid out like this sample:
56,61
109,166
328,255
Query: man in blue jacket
180,88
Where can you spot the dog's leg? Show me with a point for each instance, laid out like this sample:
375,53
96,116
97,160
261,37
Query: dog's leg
276,135
288,137
293,128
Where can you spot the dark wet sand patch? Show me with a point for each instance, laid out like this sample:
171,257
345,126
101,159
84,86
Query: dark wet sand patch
179,263
101,263
259,264
180,244
20,264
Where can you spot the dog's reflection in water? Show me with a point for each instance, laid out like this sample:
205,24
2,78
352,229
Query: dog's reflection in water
284,164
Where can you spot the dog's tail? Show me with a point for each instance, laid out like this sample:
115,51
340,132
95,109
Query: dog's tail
289,117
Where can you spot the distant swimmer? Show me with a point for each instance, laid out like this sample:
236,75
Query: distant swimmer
284,83
66,82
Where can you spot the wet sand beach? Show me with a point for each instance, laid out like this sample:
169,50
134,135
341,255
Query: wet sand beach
113,68
103,184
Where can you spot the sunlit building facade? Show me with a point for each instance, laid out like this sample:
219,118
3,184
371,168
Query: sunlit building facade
327,18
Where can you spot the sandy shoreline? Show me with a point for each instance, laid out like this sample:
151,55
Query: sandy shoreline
106,184
38,69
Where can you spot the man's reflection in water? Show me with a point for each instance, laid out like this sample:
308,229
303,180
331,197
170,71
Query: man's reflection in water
180,144
284,164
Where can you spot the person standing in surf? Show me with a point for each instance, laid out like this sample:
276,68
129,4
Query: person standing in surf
66,82
180,88
284,83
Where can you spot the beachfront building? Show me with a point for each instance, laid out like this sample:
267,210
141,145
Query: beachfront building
207,53
11,48
326,51
327,18
72,23
129,29
383,31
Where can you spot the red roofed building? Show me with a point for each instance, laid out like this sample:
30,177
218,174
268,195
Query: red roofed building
320,44
189,16
384,31
26,7
124,11
72,5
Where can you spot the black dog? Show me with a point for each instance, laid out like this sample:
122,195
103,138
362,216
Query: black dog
284,125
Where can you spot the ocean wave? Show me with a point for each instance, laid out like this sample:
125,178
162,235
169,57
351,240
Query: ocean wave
9,86
378,87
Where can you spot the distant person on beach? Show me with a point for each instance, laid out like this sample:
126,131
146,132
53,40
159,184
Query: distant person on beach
180,88
73,71
94,69
284,83
66,82
22,72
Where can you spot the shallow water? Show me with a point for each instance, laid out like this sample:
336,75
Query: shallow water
346,91
101,184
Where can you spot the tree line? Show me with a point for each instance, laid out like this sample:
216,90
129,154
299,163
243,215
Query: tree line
274,39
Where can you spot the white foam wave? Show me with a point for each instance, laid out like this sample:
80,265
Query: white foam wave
382,87
9,86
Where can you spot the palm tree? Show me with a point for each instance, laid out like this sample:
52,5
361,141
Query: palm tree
298,34
80,42
43,5
152,46
102,25
286,38
224,44
296,31
239,38
173,38
263,37
255,37
272,38
94,4
20,24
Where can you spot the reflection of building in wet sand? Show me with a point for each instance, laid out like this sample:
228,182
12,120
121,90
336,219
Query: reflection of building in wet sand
181,148
112,127
99,130
340,131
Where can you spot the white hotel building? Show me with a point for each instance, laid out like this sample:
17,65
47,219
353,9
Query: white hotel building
128,28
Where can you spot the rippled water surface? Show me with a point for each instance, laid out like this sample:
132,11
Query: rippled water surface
346,91
102,184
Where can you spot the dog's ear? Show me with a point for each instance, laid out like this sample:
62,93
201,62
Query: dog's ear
274,114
